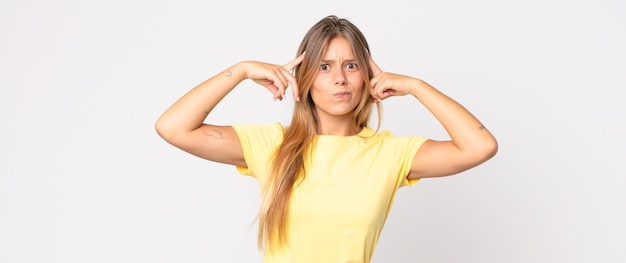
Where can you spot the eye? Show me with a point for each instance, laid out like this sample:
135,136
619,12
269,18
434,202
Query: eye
352,66
324,67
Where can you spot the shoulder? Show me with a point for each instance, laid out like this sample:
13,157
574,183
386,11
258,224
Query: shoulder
390,142
388,136
272,128
260,134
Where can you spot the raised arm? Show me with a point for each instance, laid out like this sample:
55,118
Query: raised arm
471,143
182,123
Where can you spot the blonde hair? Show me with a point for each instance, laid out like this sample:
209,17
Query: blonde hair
289,158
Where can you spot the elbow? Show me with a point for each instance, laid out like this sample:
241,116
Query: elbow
481,150
488,149
492,148
164,130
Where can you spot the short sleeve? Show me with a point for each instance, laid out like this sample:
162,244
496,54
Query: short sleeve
409,145
258,143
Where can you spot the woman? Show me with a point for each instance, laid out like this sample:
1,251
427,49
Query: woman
327,180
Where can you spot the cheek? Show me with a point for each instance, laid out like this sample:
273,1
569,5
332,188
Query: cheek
320,85
356,79
315,91
359,84
315,86
358,94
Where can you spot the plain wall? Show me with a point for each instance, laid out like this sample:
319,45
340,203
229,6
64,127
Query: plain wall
85,178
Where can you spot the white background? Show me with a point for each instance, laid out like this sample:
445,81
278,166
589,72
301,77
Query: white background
84,177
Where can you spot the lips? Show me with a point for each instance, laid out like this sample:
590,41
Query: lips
342,94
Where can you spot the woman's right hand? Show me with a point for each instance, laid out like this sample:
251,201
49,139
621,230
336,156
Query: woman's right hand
274,78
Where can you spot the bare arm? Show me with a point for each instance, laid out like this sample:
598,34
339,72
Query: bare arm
182,123
471,143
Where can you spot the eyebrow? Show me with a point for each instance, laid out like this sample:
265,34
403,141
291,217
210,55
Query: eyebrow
330,61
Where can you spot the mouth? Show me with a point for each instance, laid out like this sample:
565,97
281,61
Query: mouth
342,94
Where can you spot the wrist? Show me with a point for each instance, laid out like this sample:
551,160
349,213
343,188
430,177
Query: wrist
236,72
417,87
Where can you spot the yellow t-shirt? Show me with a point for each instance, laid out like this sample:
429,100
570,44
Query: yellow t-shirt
336,213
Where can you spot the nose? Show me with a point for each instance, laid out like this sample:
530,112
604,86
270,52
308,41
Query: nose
339,77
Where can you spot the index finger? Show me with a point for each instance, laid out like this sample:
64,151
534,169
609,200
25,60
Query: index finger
375,69
294,85
292,64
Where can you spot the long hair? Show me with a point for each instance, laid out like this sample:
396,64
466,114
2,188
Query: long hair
289,160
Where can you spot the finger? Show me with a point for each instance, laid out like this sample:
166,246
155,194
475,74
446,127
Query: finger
374,83
272,88
375,69
279,92
388,93
377,94
379,87
282,80
292,64
375,97
290,78
275,82
294,86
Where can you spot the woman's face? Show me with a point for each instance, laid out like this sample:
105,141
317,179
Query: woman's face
338,84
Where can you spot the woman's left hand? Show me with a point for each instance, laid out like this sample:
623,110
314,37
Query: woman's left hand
471,143
384,84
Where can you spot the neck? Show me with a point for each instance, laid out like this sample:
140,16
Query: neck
337,126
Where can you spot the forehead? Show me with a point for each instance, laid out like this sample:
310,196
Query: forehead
339,47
